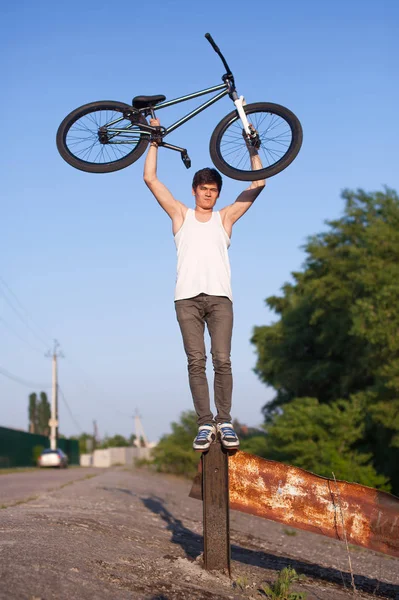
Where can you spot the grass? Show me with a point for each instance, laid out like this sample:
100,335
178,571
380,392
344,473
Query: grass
29,469
18,470
280,589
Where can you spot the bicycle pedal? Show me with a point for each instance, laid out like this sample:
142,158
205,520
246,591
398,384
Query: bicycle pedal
186,160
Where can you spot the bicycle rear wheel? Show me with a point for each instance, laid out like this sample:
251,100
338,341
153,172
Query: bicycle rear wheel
97,137
280,134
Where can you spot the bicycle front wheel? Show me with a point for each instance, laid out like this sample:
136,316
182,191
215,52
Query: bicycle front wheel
280,135
98,138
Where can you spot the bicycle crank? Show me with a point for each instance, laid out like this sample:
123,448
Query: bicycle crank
183,153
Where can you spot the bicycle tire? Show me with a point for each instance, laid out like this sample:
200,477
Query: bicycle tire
106,166
263,108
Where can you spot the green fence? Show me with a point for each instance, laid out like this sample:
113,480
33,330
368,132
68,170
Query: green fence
20,448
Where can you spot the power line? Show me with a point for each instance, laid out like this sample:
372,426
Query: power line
21,381
19,314
5,284
7,325
69,410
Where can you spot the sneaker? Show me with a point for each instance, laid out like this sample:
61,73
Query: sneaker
204,438
228,436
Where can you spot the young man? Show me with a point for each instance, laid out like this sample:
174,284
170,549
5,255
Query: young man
203,287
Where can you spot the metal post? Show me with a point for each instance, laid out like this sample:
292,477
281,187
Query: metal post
215,482
53,421
54,416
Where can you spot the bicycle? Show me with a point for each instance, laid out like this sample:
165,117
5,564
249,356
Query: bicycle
105,136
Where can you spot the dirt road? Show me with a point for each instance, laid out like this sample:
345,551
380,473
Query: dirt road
131,534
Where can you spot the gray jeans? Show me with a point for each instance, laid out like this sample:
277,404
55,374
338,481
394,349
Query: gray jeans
217,313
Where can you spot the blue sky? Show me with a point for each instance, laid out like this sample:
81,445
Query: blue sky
91,258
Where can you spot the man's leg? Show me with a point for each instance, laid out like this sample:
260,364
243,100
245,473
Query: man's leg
190,315
219,318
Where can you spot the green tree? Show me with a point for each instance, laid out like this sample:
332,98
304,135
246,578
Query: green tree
252,439
32,413
43,415
117,441
36,452
323,439
337,334
174,452
256,444
86,443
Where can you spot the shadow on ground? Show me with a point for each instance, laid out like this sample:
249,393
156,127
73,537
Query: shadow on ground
192,544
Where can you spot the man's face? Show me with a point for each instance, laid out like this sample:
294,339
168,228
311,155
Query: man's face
206,195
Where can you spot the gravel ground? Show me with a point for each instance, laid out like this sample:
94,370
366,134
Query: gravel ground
118,533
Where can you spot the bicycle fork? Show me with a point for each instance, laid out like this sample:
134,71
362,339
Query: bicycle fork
250,134
239,104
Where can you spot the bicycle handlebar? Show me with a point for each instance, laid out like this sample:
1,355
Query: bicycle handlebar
217,50
212,42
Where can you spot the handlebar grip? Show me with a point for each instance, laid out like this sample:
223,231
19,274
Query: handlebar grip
212,43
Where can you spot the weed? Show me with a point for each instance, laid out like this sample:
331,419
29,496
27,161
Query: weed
60,487
88,476
241,583
18,502
345,538
290,532
280,590
142,462
24,500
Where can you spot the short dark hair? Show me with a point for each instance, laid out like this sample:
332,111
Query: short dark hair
207,175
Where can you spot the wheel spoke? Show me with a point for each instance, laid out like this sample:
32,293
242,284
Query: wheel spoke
275,136
83,137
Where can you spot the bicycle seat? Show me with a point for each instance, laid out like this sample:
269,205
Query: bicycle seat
144,101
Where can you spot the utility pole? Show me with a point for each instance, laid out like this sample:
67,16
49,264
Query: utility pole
53,421
139,431
95,435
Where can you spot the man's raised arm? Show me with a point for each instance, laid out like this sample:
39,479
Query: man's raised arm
171,206
247,197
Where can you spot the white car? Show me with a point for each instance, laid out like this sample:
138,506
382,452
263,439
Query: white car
53,458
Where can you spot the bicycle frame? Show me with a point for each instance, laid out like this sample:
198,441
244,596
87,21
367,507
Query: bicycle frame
149,129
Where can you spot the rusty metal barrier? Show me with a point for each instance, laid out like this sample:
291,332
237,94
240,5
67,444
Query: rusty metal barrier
302,500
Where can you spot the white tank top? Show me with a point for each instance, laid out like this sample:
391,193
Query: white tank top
202,259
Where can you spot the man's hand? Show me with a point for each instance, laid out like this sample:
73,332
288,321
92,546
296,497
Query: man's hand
156,138
252,144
